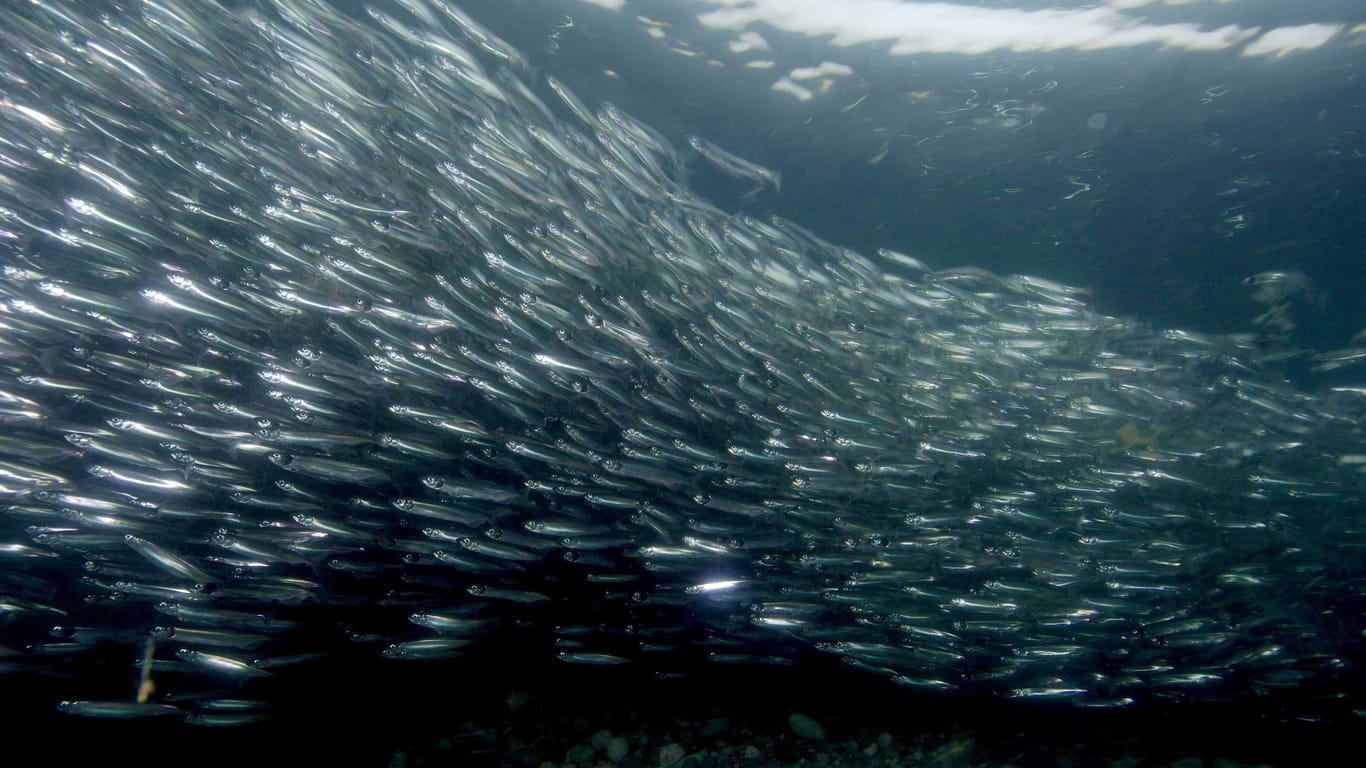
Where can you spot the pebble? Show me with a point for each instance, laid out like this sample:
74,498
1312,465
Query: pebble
522,758
805,727
715,727
579,753
669,754
740,742
601,738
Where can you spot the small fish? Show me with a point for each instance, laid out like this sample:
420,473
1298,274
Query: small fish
117,710
736,166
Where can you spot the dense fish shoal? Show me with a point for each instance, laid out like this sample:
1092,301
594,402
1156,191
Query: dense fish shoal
355,329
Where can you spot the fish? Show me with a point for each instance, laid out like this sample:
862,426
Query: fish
1285,295
355,330
1274,287
735,166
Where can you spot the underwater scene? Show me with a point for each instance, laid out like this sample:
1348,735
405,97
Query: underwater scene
682,383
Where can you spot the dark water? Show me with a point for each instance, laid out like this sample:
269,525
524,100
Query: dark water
354,710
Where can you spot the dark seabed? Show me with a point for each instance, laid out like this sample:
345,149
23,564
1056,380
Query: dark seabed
704,384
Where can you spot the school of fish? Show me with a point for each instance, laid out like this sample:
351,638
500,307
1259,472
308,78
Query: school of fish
355,322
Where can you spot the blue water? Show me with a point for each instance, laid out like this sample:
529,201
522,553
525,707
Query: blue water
1156,176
